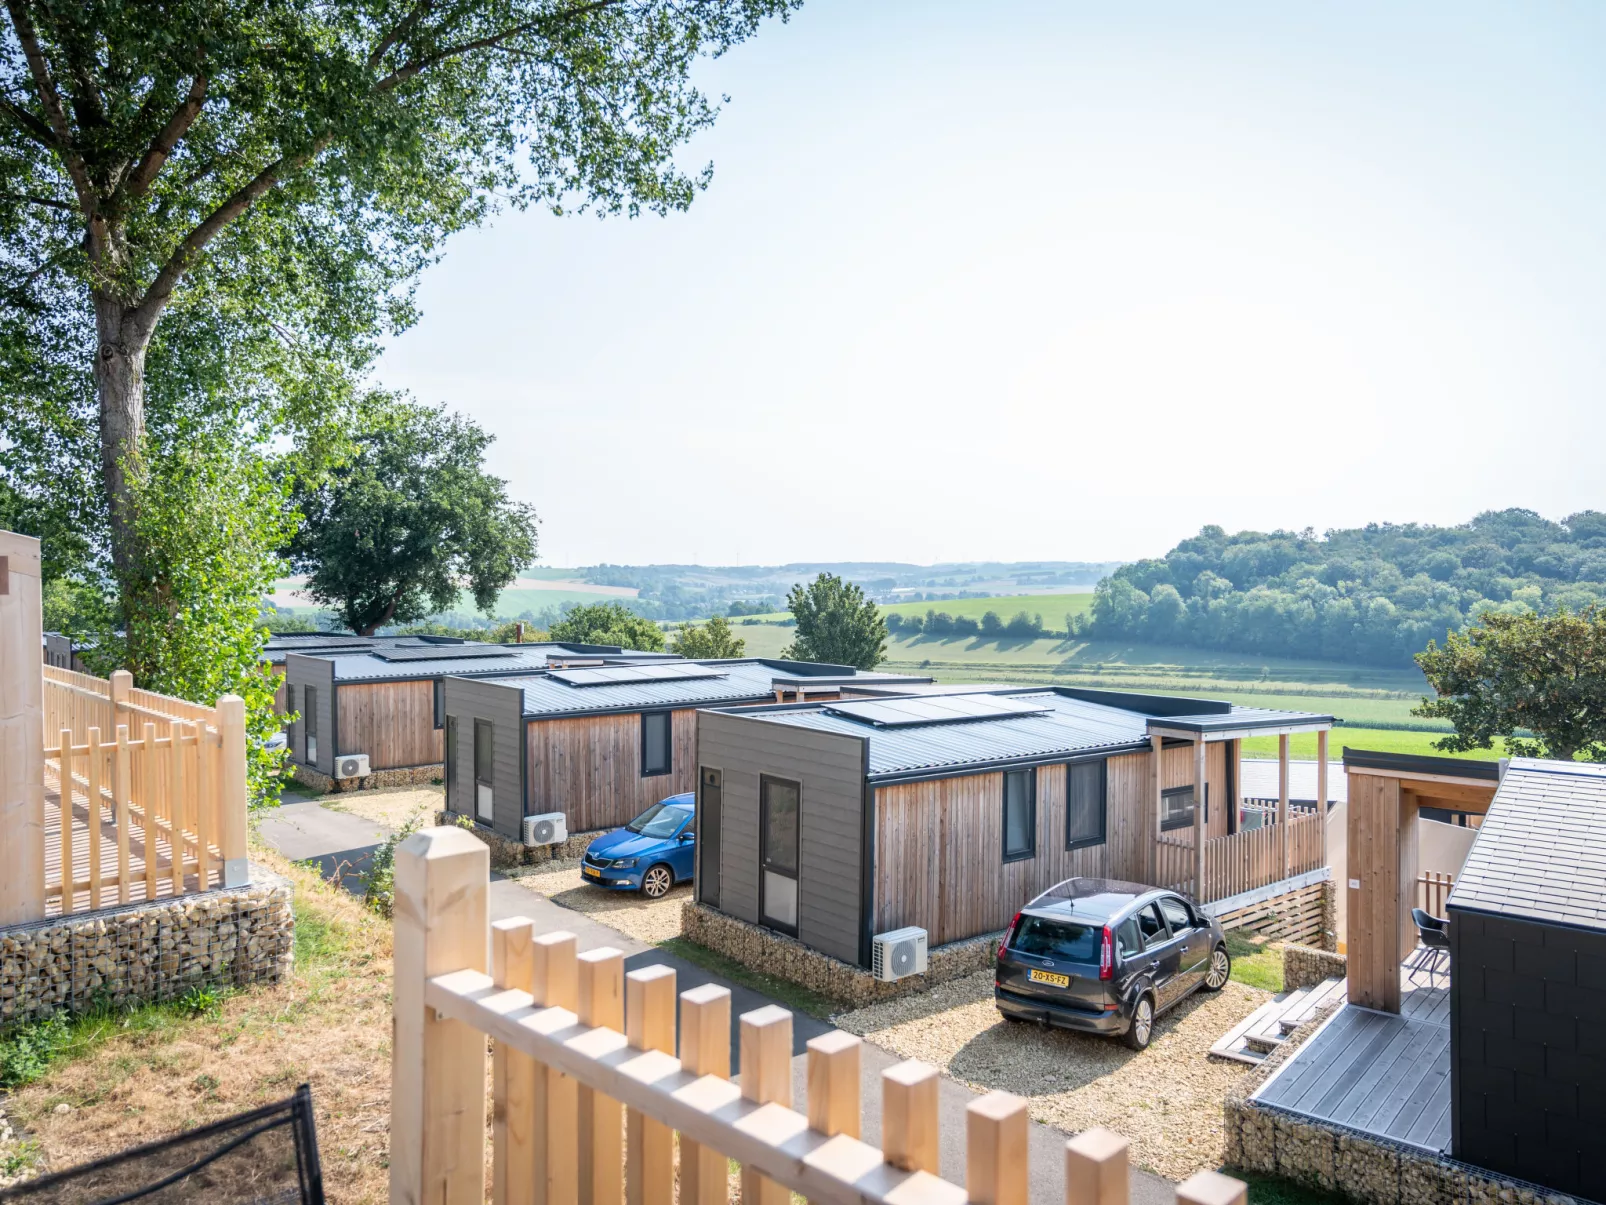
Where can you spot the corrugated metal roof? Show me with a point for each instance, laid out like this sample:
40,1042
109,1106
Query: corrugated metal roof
365,667
1540,853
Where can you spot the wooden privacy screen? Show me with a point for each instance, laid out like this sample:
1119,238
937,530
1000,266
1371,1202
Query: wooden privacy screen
578,1043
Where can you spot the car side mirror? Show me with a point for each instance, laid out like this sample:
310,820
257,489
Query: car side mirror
688,837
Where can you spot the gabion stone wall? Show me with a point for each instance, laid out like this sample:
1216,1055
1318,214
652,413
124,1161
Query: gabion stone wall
1305,967
407,776
142,953
506,854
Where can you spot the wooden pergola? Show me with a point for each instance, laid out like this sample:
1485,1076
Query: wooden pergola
1387,792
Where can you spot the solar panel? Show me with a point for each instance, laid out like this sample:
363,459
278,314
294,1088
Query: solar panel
618,675
444,652
936,709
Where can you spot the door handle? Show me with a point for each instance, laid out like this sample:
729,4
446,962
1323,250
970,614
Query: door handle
1155,965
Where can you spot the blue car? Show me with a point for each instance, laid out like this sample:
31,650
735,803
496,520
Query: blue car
650,854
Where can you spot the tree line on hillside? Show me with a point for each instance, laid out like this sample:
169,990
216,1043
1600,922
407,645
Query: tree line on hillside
1375,594
991,626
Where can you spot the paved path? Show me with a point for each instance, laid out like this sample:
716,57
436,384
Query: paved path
304,830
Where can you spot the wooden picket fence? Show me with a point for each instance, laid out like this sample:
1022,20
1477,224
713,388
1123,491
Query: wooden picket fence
1244,860
589,1092
1433,891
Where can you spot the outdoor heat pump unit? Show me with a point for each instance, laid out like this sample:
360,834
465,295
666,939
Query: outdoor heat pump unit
351,765
900,953
550,828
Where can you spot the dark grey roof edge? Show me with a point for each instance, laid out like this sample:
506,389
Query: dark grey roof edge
1421,763
965,769
1228,723
1145,703
734,702
1545,921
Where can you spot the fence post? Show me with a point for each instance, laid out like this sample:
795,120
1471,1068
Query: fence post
1321,788
909,1136
602,1005
649,1144
1096,1168
1212,1188
1201,806
121,683
512,1073
557,1097
64,813
995,1150
767,1079
833,1083
232,799
22,732
705,1049
122,796
1282,805
437,1128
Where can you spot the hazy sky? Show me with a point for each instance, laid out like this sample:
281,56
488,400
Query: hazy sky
1064,281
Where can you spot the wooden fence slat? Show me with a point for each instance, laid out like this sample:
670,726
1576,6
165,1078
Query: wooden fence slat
995,1150
121,794
705,1049
64,759
649,1144
151,792
909,1133
766,1043
601,1137
513,1166
97,756
557,1098
1096,1171
177,788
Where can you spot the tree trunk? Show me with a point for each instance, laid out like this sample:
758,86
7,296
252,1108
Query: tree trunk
120,390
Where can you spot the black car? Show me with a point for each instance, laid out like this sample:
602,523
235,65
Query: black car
1105,956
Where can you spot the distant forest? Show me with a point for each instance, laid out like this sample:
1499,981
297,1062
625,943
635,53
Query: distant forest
1375,594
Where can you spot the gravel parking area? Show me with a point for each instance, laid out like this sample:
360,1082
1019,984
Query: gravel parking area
1167,1100
392,808
630,912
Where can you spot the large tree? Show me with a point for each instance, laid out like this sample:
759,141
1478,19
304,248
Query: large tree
1545,674
707,641
285,169
394,533
608,623
836,624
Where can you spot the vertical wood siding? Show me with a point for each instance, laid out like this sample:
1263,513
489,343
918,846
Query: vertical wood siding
590,768
1372,910
392,722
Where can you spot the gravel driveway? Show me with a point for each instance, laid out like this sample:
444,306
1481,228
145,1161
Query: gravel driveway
630,912
1167,1100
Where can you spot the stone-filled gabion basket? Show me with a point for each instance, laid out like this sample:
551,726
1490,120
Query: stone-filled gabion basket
506,854
143,953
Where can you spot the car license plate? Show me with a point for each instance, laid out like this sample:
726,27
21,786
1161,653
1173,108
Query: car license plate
1049,977
591,872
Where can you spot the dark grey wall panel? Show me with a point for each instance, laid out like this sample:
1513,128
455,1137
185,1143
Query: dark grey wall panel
318,672
469,700
830,767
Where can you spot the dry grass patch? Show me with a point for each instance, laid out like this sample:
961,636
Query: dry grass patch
630,912
392,808
1167,1100
328,1025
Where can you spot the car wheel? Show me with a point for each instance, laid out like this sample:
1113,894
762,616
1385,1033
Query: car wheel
1220,970
1142,1028
655,884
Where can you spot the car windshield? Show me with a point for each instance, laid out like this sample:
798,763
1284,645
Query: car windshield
1063,940
658,821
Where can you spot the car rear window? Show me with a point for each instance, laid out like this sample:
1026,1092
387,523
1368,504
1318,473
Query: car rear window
1064,940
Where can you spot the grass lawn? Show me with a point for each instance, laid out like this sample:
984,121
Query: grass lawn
795,997
1381,740
1269,1190
1255,962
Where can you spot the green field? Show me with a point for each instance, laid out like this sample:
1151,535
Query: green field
1052,607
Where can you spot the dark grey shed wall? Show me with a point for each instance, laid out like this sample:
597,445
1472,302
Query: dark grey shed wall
503,705
1528,1050
830,768
319,672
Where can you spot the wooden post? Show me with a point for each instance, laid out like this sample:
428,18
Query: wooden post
602,1003
150,792
97,755
556,1133
766,1078
122,794
512,1074
1156,805
995,1150
121,683
178,784
1212,1188
833,1083
232,801
1235,751
649,1144
909,1135
64,810
1200,787
1096,1168
437,1098
1321,787
705,1049
1282,802
22,735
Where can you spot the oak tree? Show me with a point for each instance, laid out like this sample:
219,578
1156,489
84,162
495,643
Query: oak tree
836,624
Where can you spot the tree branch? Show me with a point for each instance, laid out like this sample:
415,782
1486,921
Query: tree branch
28,124
26,199
402,74
168,137
51,100
377,55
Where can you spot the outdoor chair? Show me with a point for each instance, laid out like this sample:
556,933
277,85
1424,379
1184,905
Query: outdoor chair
1433,934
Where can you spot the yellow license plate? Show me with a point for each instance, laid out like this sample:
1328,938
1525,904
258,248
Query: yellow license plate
1049,977
590,873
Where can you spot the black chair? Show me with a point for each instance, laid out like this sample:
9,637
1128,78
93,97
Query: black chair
1434,935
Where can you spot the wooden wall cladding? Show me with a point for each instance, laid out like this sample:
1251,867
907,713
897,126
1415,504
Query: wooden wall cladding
392,722
590,767
1372,909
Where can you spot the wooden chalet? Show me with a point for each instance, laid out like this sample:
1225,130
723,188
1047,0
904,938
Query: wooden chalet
836,822
601,744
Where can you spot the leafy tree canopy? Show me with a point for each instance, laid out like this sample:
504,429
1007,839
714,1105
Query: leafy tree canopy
1545,674
703,642
393,534
835,624
608,623
1374,594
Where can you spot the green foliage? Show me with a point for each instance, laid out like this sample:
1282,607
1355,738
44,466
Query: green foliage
501,633
390,534
75,608
1374,595
608,623
379,880
1523,672
835,624
706,641
28,1050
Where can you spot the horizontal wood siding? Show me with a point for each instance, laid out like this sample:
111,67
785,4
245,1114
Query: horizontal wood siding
392,722
503,706
318,672
590,768
830,770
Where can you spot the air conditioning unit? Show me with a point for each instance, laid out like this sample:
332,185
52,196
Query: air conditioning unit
351,765
899,953
550,828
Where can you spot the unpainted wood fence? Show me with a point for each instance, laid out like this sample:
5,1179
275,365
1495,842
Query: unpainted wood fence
590,1090
1242,861
1433,891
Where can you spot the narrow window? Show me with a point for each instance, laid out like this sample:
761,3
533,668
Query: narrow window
1176,807
483,759
778,850
655,749
440,702
1085,804
294,735
710,802
451,762
310,723
1020,814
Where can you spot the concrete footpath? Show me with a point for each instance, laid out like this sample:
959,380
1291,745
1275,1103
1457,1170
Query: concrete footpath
341,844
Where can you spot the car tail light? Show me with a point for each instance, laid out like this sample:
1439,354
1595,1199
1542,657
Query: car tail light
1107,956
1003,944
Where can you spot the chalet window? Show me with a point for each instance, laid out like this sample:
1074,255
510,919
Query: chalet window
309,724
1176,807
451,761
1020,814
710,802
294,735
440,702
655,747
778,850
484,759
1085,807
